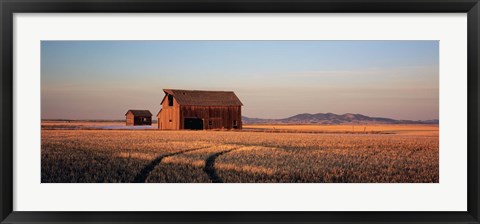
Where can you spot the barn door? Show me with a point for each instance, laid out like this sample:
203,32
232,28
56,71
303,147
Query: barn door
193,123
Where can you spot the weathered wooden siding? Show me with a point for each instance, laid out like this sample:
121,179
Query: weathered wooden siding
130,120
169,117
214,117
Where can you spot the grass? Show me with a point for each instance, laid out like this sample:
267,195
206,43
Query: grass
403,129
111,156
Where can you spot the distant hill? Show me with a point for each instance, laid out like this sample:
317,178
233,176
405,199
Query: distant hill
330,118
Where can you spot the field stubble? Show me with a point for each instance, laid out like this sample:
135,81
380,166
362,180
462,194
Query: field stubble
238,157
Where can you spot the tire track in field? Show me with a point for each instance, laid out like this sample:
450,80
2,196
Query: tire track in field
209,168
143,174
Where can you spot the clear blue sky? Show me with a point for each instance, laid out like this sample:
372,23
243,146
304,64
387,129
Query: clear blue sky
273,79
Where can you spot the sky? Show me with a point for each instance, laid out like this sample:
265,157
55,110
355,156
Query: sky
273,79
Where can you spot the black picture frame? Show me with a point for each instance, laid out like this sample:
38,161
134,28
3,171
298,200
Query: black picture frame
9,7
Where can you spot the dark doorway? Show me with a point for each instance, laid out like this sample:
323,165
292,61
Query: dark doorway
193,123
142,121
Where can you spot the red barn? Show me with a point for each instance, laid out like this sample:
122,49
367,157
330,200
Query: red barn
198,109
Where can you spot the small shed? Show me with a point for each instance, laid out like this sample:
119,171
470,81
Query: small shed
138,117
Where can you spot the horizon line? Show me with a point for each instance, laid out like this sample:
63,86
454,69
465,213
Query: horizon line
97,119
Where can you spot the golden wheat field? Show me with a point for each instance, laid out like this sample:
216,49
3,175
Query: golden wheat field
257,154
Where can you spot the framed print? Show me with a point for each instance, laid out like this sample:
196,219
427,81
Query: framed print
246,112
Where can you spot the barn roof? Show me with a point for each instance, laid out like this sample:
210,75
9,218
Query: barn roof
142,113
204,98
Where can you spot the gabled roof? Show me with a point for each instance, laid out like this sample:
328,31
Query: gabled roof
204,98
142,113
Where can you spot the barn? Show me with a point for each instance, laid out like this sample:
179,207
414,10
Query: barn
138,117
198,109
